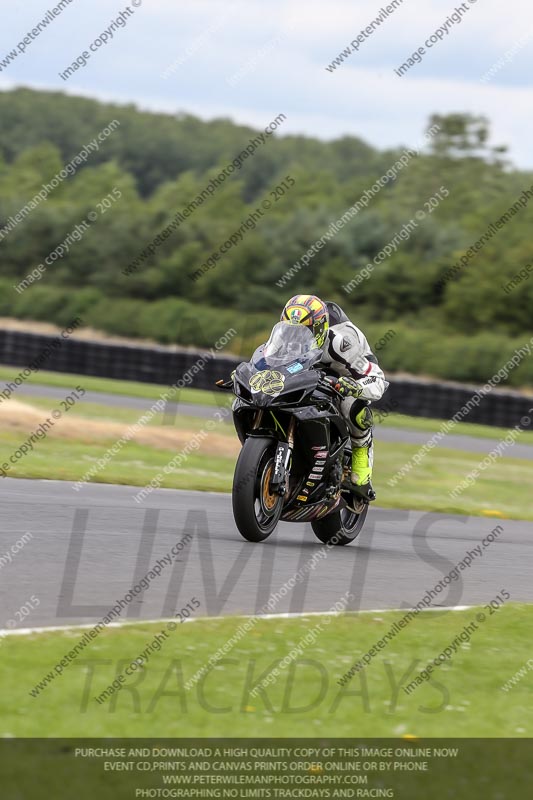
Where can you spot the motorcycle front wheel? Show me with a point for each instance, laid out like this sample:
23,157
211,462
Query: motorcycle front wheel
255,509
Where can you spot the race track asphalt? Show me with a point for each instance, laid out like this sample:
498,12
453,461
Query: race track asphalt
88,548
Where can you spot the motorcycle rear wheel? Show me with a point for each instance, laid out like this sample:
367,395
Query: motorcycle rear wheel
341,527
255,509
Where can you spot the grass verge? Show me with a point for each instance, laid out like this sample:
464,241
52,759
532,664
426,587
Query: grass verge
79,440
216,397
463,698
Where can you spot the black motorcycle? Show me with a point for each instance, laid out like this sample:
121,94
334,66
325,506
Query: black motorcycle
295,461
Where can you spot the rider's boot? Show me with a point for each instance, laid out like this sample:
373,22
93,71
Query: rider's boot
362,471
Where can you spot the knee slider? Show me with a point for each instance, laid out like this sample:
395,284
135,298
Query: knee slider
362,418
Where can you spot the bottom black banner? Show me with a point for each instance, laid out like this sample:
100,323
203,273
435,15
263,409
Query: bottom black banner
473,769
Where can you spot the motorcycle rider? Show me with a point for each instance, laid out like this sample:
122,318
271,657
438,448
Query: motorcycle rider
346,353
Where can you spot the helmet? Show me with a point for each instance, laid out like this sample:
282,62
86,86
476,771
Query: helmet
306,309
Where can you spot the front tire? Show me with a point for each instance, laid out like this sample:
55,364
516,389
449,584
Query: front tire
256,511
341,527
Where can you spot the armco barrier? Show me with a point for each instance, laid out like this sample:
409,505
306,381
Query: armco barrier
166,365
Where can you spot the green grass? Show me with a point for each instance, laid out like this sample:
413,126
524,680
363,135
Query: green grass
499,488
426,487
135,465
464,699
217,397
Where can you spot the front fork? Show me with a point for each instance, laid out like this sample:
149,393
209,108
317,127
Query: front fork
279,480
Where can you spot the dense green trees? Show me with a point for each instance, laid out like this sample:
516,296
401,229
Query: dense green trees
153,165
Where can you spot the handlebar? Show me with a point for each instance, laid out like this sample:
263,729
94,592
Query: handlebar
225,385
330,384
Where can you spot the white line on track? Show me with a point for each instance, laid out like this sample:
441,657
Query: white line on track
284,615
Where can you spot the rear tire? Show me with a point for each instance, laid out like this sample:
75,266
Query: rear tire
256,511
341,527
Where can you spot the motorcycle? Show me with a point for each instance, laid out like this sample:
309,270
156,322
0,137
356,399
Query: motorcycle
295,460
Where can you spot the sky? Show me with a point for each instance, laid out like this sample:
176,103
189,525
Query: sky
250,61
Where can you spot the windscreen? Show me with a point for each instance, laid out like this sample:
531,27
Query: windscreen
288,345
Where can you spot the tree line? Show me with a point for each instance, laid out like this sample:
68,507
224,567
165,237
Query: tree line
452,281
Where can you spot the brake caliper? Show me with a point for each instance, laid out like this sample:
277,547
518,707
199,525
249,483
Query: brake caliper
282,458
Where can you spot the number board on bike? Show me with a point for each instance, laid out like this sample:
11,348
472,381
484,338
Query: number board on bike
268,381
